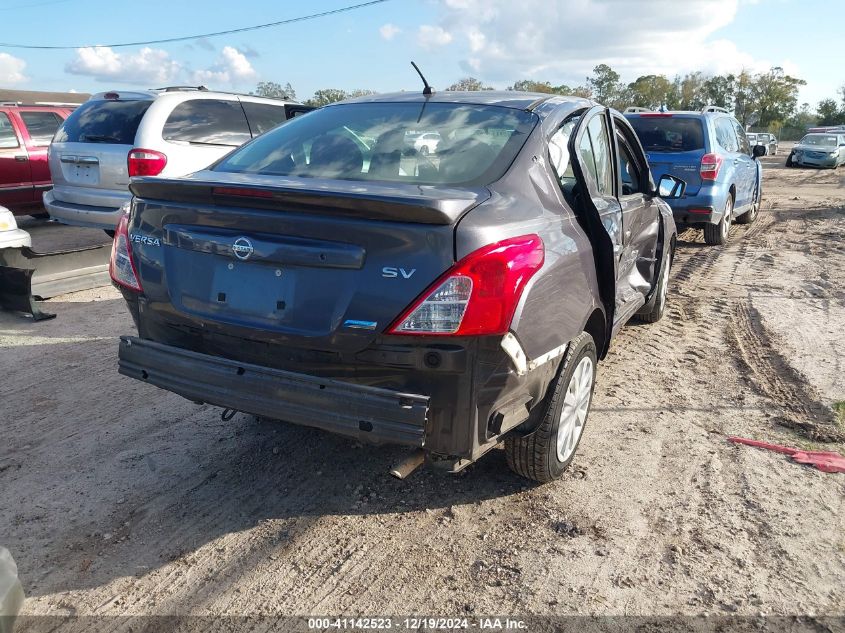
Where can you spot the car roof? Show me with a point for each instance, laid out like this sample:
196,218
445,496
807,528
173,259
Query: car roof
503,98
182,93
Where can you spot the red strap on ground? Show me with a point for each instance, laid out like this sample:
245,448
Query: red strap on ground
823,460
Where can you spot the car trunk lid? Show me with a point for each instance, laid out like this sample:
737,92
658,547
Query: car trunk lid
313,263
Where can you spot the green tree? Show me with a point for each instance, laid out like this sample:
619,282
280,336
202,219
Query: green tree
719,90
649,91
829,113
744,104
529,85
325,96
775,95
605,87
274,90
469,83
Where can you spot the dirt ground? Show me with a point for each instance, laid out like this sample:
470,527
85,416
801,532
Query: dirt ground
121,499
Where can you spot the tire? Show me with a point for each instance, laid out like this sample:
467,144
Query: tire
538,456
657,305
717,234
775,151
424,150
789,160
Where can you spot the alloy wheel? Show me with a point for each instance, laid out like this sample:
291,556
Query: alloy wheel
576,404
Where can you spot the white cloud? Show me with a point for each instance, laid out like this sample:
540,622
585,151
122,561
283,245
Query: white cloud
389,31
563,41
430,37
149,66
11,69
154,67
232,67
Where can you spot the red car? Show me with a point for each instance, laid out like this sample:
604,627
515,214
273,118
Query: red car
25,133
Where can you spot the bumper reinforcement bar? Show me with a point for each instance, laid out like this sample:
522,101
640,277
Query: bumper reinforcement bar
368,413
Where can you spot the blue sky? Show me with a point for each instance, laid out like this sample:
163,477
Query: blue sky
497,41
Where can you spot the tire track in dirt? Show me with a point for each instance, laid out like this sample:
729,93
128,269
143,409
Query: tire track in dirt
773,377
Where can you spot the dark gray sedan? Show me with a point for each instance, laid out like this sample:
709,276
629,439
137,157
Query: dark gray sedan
445,301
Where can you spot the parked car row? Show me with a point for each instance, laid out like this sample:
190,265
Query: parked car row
768,141
171,132
441,272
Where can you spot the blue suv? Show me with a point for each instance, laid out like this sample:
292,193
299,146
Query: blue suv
710,152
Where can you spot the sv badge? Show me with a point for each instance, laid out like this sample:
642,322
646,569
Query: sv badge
392,273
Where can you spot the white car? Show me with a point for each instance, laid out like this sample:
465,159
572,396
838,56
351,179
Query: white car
10,235
427,143
166,132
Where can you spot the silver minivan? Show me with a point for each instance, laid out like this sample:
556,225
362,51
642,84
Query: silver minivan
167,132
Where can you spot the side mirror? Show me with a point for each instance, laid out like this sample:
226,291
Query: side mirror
671,187
758,150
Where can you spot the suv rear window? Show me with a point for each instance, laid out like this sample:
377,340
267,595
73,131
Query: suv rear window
669,133
374,141
103,121
263,117
208,122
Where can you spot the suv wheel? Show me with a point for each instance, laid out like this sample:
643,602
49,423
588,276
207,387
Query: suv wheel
546,452
717,234
653,311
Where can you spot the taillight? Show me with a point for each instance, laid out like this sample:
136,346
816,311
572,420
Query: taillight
145,162
478,295
710,166
121,267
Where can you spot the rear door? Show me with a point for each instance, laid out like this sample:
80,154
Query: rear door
15,173
88,158
640,214
594,166
39,127
745,160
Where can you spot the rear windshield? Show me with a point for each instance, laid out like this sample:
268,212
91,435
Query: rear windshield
669,134
469,144
103,122
823,140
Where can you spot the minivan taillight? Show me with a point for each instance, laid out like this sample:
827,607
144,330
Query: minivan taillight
145,162
710,166
121,266
478,295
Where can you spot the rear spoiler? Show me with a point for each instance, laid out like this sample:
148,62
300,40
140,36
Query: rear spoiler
396,202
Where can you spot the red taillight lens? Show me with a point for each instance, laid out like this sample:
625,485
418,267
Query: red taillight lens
710,166
145,162
121,267
478,295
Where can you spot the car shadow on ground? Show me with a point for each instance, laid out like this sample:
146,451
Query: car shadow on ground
105,477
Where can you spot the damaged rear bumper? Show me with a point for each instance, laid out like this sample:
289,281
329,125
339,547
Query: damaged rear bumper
368,413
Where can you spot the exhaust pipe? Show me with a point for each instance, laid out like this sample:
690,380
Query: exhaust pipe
409,464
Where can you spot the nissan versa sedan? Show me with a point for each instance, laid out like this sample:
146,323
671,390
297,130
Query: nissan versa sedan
818,150
445,302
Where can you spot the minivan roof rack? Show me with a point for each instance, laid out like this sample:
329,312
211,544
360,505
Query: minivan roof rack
180,88
636,109
714,108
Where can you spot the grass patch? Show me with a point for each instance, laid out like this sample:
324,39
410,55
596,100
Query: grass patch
839,408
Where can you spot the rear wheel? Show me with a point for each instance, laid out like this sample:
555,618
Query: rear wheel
717,234
544,454
424,150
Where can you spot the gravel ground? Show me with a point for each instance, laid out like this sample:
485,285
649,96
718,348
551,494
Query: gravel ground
121,499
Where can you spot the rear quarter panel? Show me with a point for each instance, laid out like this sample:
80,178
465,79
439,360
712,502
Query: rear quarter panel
558,299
